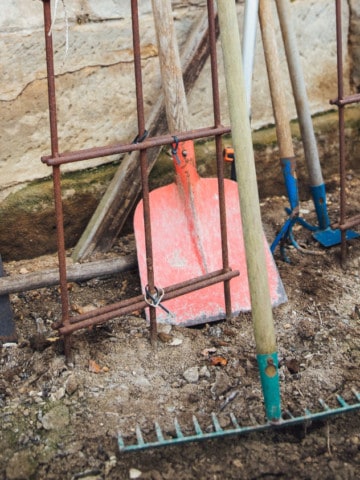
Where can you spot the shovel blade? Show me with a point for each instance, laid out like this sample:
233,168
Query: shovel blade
187,244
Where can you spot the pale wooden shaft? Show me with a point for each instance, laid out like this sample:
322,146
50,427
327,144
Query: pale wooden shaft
276,83
246,175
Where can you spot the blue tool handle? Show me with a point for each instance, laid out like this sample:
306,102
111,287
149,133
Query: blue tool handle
319,198
269,376
288,166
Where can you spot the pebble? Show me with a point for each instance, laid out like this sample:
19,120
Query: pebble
56,418
191,375
71,385
57,395
204,372
134,473
21,466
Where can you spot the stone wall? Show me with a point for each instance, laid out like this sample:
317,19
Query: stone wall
95,77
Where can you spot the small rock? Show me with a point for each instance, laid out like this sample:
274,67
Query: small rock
71,385
305,329
164,328
134,473
204,372
165,337
57,395
191,375
222,384
56,418
21,466
176,342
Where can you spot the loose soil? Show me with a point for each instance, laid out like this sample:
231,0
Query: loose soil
62,421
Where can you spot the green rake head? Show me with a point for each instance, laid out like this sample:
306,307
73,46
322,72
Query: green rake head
287,420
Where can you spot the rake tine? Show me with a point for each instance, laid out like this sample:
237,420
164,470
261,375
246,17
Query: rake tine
323,404
139,436
356,393
216,423
342,402
234,420
197,426
179,433
290,415
159,433
121,442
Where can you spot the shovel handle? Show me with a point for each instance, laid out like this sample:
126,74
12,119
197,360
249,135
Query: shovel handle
300,94
283,131
170,66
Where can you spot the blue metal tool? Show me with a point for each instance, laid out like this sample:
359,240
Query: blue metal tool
323,233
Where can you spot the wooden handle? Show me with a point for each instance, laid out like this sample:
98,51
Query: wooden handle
273,67
299,89
171,72
246,177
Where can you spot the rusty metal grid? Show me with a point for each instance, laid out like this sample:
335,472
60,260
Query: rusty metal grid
69,323
342,101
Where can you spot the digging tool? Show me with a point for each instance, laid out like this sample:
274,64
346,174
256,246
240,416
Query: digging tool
324,234
7,324
185,218
283,131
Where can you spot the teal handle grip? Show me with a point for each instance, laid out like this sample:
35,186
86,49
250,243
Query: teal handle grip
269,377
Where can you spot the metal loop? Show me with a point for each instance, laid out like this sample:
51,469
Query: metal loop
154,299
174,149
139,139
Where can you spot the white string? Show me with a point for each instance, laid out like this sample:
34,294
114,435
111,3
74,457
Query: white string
66,25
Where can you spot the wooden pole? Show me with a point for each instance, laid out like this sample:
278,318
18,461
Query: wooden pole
75,273
250,210
276,84
246,177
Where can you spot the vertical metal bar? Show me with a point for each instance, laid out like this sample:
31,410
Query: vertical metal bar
56,172
219,158
341,113
143,163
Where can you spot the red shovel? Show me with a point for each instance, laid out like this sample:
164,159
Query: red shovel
185,219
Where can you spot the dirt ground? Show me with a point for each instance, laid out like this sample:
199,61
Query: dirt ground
61,421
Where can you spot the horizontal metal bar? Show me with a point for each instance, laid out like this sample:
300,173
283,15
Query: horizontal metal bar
103,314
97,152
349,223
346,100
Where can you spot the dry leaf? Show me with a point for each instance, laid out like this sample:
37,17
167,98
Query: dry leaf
218,361
94,367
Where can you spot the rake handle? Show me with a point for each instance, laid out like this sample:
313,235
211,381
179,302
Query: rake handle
300,94
246,176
